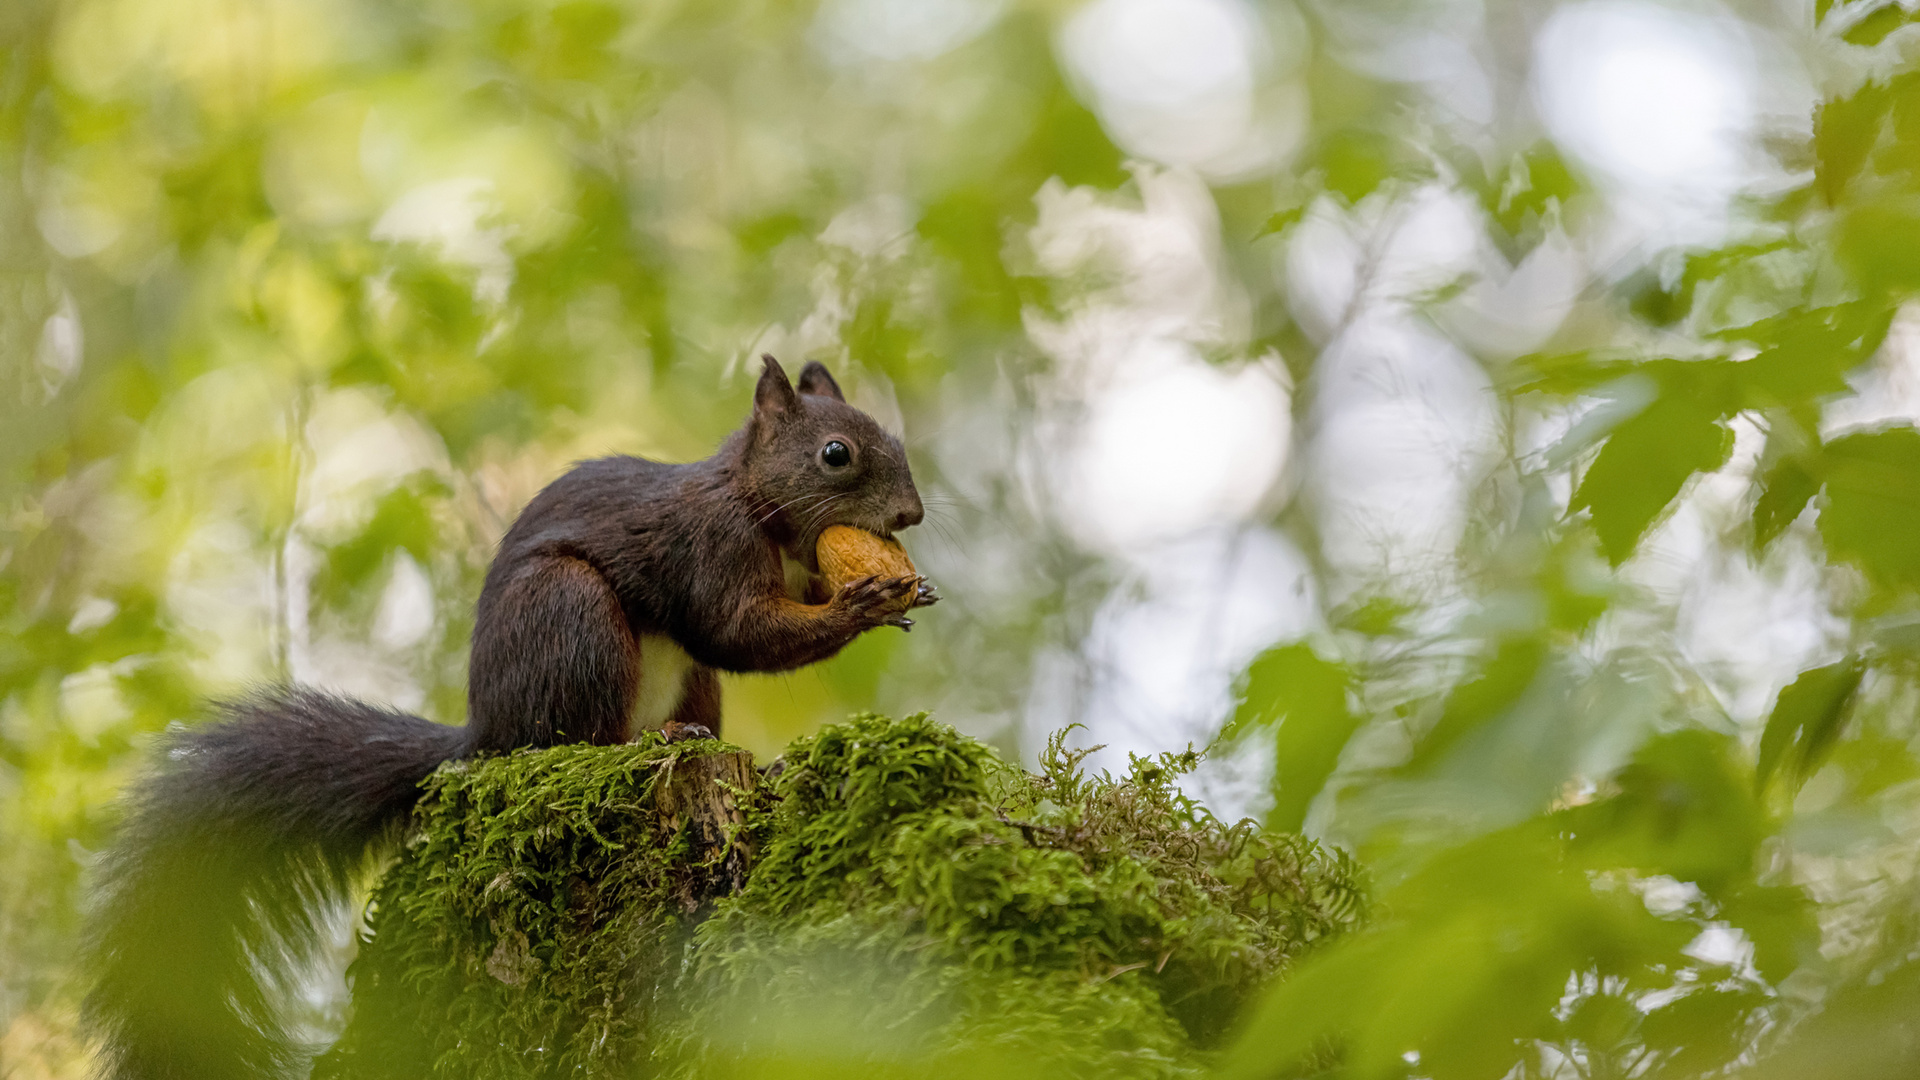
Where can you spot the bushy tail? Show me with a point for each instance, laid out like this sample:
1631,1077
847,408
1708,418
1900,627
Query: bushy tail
234,849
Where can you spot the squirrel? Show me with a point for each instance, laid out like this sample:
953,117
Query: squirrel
613,600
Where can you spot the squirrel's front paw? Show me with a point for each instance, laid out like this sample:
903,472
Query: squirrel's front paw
878,600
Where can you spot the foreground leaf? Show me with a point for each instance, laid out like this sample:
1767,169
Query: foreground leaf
1645,463
1306,696
1806,720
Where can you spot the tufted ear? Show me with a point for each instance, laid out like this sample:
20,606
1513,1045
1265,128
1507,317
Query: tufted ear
773,397
815,380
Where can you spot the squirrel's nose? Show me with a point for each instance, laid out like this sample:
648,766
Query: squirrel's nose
909,517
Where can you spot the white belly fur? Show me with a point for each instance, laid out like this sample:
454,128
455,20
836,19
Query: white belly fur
798,578
663,679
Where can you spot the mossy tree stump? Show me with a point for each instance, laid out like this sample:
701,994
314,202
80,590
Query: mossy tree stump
697,808
897,901
525,927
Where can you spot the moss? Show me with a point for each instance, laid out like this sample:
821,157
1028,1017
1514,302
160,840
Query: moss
916,904
525,926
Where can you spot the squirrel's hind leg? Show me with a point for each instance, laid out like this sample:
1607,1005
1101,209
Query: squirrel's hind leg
557,662
698,714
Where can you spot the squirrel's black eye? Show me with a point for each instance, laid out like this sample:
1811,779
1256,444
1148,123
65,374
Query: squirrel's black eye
835,455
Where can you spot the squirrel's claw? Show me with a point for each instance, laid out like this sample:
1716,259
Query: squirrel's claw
676,732
925,596
878,601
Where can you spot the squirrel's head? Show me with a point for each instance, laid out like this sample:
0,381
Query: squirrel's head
811,460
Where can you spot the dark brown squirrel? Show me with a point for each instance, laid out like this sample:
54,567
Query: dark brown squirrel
613,600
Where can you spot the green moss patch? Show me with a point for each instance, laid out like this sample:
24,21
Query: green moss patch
915,904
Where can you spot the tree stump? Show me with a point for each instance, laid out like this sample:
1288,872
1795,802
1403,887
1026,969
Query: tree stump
535,911
897,903
700,799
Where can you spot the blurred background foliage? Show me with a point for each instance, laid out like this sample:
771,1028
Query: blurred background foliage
1492,419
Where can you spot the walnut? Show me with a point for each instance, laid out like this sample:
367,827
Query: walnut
848,554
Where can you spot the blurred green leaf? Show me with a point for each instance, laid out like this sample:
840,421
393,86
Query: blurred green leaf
1806,354
1871,512
1281,220
1653,301
1844,132
1785,490
1355,162
1683,809
1566,373
1877,24
1523,196
1781,921
764,233
1864,1031
1806,719
1067,140
966,228
403,520
1506,676
1375,616
1304,698
1663,298
1879,241
1702,1030
1466,971
1603,1021
1647,460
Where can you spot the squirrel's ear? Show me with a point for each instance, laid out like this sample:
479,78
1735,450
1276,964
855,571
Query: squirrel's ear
774,395
815,380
